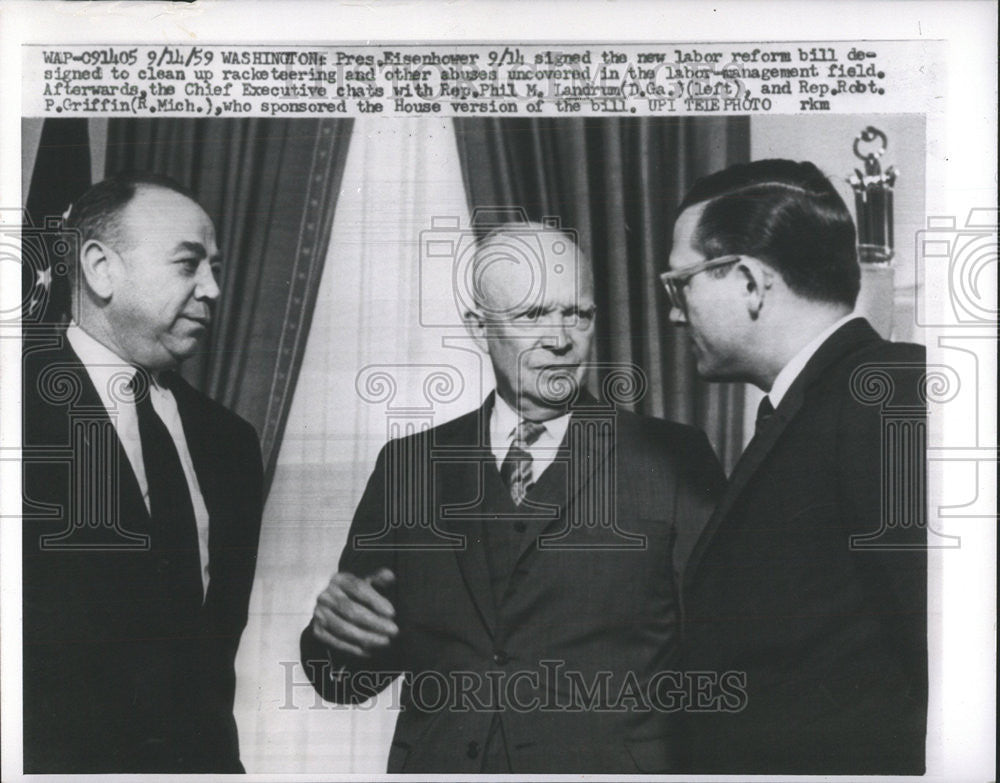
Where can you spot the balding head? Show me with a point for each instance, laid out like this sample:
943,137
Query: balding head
519,267
147,269
533,291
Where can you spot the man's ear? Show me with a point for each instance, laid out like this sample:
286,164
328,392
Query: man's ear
96,260
475,323
757,280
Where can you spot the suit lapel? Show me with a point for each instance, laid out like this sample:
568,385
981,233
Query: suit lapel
197,426
89,401
750,461
582,457
845,339
582,460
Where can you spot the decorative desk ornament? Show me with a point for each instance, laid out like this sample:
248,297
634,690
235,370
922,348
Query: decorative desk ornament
873,196
873,200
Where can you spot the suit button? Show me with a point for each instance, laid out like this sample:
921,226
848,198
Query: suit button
473,750
500,658
520,526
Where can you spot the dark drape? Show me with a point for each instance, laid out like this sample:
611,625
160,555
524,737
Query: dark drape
61,172
271,187
617,183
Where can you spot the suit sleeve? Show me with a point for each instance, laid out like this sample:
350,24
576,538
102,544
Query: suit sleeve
338,676
882,478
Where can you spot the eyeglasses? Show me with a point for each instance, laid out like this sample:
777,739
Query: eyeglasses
675,280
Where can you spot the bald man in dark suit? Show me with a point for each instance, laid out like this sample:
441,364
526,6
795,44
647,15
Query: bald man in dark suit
518,560
142,503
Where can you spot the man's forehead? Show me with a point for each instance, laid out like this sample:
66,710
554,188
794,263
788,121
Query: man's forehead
548,245
164,214
152,202
683,252
532,266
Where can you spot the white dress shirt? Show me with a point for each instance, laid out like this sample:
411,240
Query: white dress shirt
791,371
503,426
102,365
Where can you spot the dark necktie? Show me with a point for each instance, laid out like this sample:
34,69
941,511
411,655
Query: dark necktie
516,468
764,413
174,528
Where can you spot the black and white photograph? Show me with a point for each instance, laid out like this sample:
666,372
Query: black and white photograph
398,404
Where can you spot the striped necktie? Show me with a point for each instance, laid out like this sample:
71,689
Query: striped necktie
516,468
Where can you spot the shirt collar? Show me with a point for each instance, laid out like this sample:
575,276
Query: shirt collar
103,365
90,350
105,368
791,371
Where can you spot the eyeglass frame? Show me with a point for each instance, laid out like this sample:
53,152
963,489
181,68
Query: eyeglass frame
675,280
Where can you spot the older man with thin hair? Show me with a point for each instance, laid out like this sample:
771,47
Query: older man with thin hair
514,565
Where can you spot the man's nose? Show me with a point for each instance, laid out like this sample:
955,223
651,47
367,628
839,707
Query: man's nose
207,287
557,336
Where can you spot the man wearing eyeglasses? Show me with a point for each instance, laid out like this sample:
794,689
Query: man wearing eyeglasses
810,576
526,591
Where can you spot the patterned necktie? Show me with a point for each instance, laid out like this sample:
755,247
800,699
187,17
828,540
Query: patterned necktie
764,413
174,527
516,468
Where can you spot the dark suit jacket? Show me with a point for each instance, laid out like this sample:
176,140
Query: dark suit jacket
118,677
584,599
831,636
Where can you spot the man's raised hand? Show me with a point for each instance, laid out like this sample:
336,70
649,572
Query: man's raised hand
352,616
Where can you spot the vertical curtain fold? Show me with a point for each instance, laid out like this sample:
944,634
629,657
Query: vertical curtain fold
270,187
382,311
616,183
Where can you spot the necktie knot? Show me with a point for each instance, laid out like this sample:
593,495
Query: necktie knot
528,432
139,385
